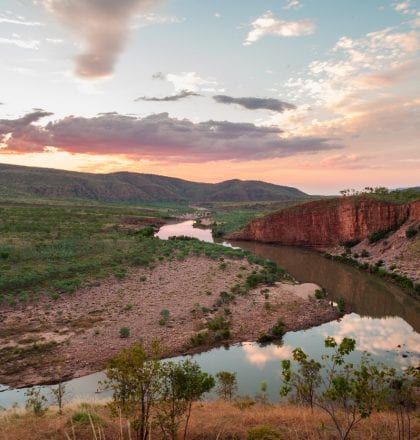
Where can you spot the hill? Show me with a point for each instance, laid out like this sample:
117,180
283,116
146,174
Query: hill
20,181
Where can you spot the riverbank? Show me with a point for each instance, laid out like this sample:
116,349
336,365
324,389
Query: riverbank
173,302
209,420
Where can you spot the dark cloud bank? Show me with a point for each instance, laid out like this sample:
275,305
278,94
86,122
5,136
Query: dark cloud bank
252,103
157,136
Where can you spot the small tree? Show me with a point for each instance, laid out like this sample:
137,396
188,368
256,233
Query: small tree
36,401
346,393
182,384
134,379
58,395
227,384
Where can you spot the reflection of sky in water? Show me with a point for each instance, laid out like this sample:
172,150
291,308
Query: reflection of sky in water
254,363
184,228
388,339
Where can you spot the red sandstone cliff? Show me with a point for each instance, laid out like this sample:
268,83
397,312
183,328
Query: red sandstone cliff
328,222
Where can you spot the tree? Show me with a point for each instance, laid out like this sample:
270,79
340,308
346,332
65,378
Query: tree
226,384
182,384
134,379
36,401
346,392
58,395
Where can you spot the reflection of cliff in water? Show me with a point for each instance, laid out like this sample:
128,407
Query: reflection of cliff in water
366,294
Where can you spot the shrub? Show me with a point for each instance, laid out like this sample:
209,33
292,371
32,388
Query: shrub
410,232
364,253
36,401
164,313
85,418
124,332
320,293
379,263
341,305
218,323
351,243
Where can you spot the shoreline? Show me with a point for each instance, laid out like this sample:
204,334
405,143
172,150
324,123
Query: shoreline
52,341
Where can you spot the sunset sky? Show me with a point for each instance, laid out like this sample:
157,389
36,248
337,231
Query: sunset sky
318,94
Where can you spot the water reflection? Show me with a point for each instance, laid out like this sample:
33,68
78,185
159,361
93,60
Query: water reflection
387,327
363,293
184,228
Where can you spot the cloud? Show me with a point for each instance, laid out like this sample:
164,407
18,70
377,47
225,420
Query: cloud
152,18
54,40
251,103
191,81
293,4
102,27
267,24
17,125
346,161
23,44
188,81
159,75
155,137
18,20
181,95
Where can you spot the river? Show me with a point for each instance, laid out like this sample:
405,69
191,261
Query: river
385,321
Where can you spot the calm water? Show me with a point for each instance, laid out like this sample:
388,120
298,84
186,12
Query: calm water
385,322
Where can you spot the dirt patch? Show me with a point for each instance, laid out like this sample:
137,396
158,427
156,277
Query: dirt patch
75,335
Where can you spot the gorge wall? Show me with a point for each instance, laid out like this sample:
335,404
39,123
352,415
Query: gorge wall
328,222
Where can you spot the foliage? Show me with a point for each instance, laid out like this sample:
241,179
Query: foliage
227,384
341,305
411,232
164,316
320,293
124,332
347,393
36,401
182,384
134,379
276,332
382,193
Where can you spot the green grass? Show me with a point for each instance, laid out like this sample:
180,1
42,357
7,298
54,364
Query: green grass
56,249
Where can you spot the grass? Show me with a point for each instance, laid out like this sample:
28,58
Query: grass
209,420
56,249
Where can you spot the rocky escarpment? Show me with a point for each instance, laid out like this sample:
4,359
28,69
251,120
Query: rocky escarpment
328,222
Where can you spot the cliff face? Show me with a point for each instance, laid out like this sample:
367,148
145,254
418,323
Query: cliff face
328,222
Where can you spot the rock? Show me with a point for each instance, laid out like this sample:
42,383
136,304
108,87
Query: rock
328,222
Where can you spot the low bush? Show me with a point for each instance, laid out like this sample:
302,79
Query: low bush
411,232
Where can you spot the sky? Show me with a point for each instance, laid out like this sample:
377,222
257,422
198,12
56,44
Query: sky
318,94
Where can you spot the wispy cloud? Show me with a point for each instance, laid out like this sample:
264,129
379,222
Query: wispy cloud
252,103
18,20
188,81
292,4
102,27
177,97
18,42
156,137
267,24
153,18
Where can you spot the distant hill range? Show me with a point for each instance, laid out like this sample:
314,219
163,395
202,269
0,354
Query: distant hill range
20,181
